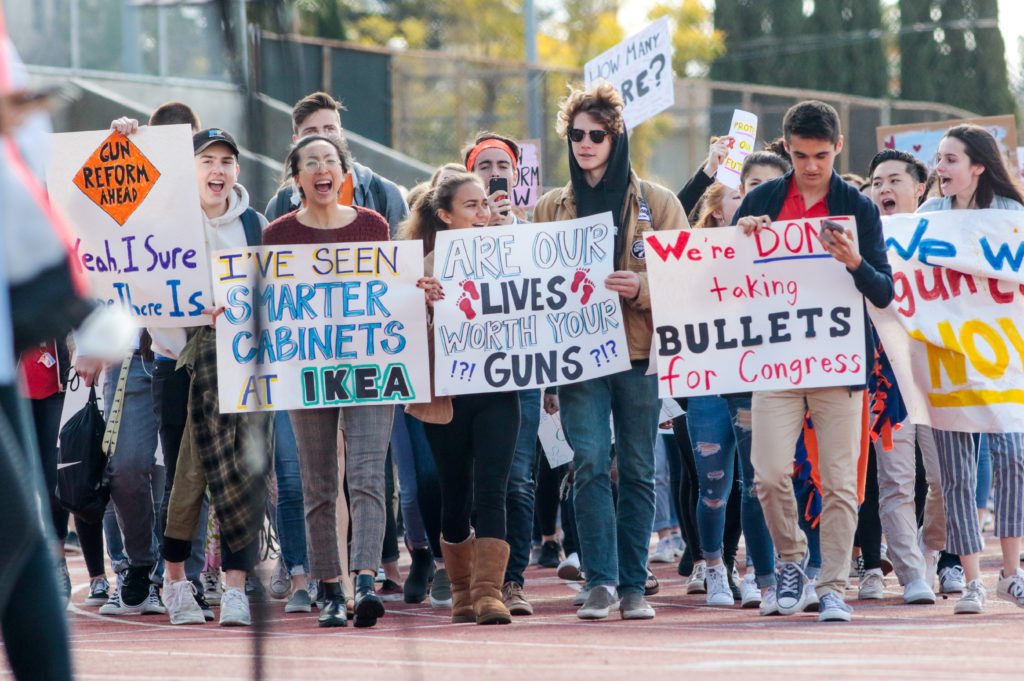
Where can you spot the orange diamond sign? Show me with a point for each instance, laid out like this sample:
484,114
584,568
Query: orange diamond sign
117,177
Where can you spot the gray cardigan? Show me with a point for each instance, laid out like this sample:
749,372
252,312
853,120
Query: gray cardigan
946,203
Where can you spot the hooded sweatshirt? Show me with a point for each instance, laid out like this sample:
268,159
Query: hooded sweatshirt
225,231
608,195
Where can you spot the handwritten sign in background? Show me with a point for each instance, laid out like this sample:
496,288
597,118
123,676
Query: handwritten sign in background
137,220
743,131
640,68
529,186
955,332
339,325
525,306
737,313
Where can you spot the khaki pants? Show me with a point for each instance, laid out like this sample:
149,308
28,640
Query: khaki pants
778,418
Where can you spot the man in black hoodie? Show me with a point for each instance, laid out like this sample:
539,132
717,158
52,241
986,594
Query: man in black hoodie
814,190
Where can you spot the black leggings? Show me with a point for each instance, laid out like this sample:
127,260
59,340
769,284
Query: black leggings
869,526
548,481
474,454
178,551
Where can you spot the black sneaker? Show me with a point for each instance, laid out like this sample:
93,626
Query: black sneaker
205,607
790,592
421,572
135,589
369,607
254,589
64,579
99,592
550,554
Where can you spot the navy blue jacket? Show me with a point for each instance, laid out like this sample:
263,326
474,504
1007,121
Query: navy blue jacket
874,276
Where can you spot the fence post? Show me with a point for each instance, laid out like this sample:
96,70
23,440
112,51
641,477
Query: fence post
325,68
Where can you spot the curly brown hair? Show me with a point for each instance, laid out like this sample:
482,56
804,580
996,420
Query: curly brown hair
602,101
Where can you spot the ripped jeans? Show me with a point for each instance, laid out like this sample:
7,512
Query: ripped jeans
720,432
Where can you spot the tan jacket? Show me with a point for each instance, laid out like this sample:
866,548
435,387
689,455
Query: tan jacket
439,409
663,211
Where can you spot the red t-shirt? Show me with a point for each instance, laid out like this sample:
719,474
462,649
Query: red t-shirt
793,207
39,369
368,226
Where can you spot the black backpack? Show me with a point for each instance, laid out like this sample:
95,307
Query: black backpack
83,485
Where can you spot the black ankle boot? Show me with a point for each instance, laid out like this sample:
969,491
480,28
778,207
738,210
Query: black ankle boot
421,572
369,606
332,614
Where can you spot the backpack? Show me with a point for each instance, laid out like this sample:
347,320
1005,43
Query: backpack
253,228
83,485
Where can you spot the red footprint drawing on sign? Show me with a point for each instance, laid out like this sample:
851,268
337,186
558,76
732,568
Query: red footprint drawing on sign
466,305
470,287
588,290
580,275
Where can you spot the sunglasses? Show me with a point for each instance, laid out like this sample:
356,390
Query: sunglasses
596,136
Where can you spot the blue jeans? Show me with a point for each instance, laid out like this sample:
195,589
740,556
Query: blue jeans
291,515
719,428
405,461
613,540
665,516
521,492
428,483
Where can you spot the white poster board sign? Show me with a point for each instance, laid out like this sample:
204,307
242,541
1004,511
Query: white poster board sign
552,440
309,326
525,306
133,204
743,131
640,67
736,313
954,333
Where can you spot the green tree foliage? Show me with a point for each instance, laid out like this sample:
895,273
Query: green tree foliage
759,38
960,61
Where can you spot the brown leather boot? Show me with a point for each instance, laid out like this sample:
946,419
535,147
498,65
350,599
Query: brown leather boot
458,561
489,560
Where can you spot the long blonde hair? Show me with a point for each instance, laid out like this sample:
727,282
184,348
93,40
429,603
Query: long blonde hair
711,202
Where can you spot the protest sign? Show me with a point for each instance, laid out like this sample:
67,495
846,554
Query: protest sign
133,204
954,333
529,186
525,306
736,313
922,139
743,131
640,68
552,440
309,326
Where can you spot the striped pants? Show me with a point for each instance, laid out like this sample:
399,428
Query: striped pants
958,462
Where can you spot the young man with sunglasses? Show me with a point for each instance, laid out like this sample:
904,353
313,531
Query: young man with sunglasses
613,539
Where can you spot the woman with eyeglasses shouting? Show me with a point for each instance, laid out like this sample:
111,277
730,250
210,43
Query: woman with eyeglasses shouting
335,438
613,540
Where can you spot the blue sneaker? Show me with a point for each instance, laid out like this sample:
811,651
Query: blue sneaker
832,608
791,596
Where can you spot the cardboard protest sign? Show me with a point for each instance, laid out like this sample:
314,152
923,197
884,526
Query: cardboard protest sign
525,306
309,326
955,332
529,186
743,131
736,313
133,204
922,139
552,440
640,67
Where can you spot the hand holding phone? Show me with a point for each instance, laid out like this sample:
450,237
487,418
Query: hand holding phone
829,228
497,194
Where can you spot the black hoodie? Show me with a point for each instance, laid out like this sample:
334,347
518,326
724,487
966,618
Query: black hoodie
610,193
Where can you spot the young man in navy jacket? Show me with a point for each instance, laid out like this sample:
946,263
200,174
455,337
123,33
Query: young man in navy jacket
814,190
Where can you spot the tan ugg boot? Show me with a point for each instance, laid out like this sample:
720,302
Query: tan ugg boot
458,561
490,557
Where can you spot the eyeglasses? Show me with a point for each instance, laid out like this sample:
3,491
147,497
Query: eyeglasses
312,165
596,136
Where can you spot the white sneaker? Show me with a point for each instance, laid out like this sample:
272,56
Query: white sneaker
951,580
834,609
973,600
234,609
180,600
152,604
872,586
569,569
1011,588
697,585
719,593
769,606
581,597
665,551
811,603
918,592
750,594
280,581
212,588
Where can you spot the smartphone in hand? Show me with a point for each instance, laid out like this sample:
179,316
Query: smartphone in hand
498,184
829,228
